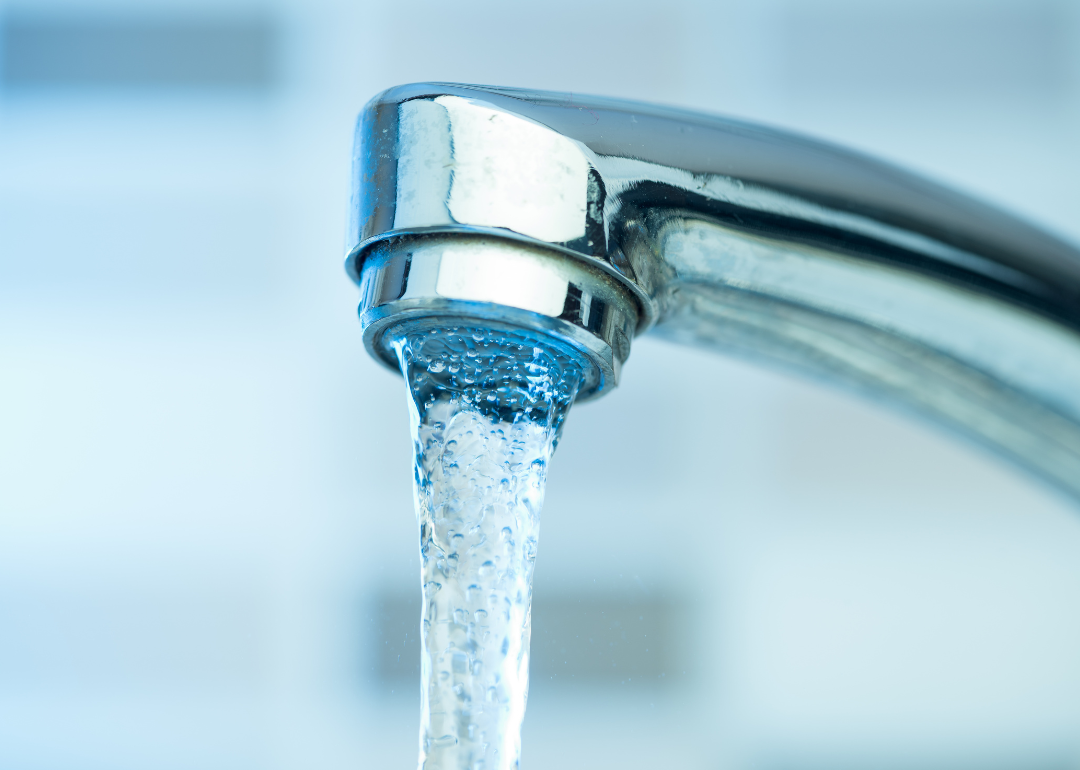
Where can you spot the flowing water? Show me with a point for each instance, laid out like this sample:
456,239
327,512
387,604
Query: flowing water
487,407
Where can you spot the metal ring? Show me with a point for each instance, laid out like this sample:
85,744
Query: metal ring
457,280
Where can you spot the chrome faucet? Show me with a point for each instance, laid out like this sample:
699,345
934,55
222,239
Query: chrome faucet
595,220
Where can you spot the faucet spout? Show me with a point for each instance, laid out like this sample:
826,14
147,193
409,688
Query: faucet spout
593,220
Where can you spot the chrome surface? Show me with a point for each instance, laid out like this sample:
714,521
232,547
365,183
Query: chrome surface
728,235
476,280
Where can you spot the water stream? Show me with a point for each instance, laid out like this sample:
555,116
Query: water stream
487,408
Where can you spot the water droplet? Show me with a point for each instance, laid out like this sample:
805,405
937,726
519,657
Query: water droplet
460,663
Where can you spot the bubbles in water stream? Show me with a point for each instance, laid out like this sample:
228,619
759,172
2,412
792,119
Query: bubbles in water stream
487,408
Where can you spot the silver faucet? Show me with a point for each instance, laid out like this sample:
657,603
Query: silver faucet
594,220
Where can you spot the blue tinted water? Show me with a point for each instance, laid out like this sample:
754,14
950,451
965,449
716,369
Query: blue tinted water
487,408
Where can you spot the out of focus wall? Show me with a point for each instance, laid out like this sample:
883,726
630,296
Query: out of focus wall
207,546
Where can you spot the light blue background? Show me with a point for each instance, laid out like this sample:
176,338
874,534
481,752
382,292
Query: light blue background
203,478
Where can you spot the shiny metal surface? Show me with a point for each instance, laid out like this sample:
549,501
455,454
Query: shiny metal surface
475,279
736,237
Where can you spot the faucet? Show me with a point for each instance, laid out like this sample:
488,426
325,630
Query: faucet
595,220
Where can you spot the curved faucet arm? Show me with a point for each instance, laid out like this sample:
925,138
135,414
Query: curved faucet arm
753,241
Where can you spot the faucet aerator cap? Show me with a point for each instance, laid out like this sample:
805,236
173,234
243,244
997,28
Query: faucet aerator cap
465,279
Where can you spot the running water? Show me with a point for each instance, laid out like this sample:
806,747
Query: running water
487,408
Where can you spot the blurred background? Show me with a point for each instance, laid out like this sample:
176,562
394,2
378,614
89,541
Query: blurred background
207,545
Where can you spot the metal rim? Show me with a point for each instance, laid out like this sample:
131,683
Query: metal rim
646,308
456,280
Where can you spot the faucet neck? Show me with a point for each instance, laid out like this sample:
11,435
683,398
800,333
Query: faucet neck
723,234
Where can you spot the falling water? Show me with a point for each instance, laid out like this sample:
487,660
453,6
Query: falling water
487,407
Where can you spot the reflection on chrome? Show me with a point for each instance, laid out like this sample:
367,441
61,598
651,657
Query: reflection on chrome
594,220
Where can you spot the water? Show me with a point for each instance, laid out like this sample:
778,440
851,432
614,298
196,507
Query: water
487,408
